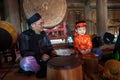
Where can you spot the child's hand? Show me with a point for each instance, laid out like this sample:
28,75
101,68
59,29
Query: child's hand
88,50
85,51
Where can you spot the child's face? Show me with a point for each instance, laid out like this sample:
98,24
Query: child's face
81,30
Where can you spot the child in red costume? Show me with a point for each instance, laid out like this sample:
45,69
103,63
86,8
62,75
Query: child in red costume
82,41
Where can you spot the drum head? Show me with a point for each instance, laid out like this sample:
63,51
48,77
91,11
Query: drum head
52,11
10,29
8,35
64,62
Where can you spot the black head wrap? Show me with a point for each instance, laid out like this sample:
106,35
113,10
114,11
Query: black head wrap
35,17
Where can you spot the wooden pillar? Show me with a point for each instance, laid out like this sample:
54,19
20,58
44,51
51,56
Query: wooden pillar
101,10
88,17
12,13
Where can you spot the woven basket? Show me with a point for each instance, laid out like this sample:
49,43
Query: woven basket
52,11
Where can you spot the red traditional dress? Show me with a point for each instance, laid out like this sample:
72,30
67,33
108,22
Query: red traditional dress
82,42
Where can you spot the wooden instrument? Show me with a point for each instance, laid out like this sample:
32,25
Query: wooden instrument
64,68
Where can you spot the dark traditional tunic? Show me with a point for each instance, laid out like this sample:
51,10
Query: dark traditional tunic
36,45
32,44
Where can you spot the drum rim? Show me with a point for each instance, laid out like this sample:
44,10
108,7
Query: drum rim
51,64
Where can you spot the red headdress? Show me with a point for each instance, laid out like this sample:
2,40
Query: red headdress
83,24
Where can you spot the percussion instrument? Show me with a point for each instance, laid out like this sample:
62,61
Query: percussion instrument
52,11
8,35
64,68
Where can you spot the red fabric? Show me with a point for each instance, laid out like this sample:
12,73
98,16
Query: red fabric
82,42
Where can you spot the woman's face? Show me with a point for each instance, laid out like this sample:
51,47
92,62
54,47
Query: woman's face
81,30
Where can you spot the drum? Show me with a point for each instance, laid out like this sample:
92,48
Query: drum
64,68
52,11
8,35
90,63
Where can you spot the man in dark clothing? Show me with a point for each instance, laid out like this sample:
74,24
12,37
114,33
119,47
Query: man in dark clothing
34,42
